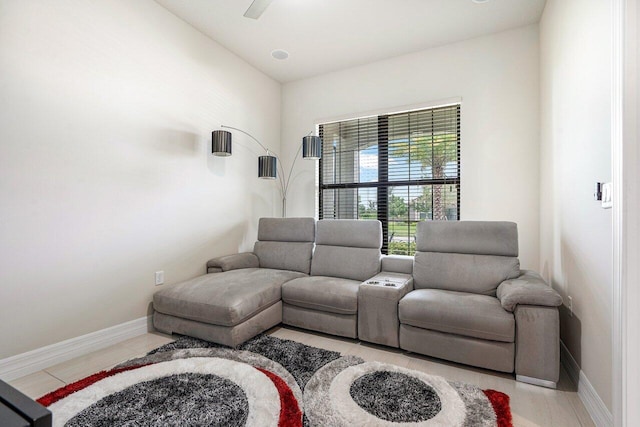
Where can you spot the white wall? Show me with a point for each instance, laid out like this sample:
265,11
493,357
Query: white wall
106,176
575,82
497,78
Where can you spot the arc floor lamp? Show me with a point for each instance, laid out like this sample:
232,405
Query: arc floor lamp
311,148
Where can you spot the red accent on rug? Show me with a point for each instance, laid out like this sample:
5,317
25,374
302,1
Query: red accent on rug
500,403
61,393
290,413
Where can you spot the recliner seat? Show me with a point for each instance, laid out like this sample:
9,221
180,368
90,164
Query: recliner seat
472,304
347,252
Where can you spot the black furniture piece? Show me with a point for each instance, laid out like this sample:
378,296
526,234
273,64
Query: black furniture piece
18,410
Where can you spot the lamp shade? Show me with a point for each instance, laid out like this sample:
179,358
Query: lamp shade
221,143
267,167
311,147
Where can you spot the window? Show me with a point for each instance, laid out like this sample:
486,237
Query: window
398,168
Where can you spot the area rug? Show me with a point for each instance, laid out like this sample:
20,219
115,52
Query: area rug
269,382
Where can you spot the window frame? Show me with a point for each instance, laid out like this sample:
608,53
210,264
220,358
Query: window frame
383,185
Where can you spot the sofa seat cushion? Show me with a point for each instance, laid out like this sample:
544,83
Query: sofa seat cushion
323,293
461,313
225,299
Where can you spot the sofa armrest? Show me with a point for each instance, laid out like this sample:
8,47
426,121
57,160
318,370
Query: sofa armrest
530,289
233,262
397,264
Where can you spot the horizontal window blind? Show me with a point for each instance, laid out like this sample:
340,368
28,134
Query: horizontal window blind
398,168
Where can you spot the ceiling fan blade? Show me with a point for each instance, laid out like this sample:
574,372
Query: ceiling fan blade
257,8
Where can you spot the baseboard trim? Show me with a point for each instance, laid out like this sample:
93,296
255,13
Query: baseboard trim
570,364
536,381
36,360
600,415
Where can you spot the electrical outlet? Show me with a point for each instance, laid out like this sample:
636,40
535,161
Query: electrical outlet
570,306
159,277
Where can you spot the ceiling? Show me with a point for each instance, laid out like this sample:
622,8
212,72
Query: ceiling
329,35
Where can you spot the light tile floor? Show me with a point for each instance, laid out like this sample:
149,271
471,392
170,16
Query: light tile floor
54,377
530,405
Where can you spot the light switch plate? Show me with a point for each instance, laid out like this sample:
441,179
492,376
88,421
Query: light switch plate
607,195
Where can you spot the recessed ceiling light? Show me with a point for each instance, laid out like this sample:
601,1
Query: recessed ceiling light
280,54
480,1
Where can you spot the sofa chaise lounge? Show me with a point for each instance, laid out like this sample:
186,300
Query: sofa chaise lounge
462,297
243,297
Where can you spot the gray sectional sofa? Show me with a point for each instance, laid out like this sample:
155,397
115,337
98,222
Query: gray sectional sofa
462,297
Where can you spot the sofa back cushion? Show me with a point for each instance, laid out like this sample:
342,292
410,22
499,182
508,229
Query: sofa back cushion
349,249
468,237
285,243
465,256
287,229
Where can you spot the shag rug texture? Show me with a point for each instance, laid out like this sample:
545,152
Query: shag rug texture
268,381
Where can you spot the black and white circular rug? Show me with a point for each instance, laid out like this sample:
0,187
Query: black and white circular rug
269,382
